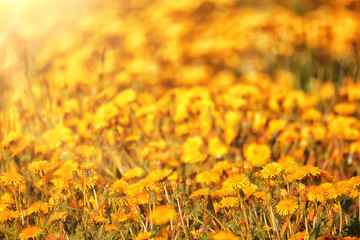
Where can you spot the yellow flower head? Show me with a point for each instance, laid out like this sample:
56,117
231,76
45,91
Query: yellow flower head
133,173
143,236
7,215
199,194
58,216
222,235
229,202
162,214
257,154
30,232
236,181
99,219
12,179
301,235
38,207
40,168
208,177
286,207
271,170
110,227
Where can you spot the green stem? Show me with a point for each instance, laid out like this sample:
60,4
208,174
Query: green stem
341,218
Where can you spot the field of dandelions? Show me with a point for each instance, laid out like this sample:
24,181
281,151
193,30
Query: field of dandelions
187,119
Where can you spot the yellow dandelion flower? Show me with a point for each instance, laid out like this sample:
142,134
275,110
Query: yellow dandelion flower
237,181
12,179
295,173
7,198
40,168
221,166
193,157
271,170
133,173
287,163
30,232
311,171
353,193
60,184
143,236
354,182
132,138
327,237
58,216
318,193
286,207
301,235
260,195
216,148
336,192
119,187
223,192
248,190
229,202
87,166
7,215
208,177
223,235
257,154
99,219
158,175
56,236
162,214
120,217
38,207
110,227
199,194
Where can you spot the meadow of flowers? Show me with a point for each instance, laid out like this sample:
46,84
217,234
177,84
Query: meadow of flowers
188,119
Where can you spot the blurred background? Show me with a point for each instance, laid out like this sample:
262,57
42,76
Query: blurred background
60,60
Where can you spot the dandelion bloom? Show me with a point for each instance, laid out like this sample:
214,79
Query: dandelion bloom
295,173
216,148
30,232
162,214
341,187
40,168
318,193
229,202
223,192
207,177
38,207
143,236
133,173
110,227
8,215
221,166
248,190
271,170
286,207
158,175
257,154
58,216
354,182
301,235
346,108
236,181
327,91
193,157
120,217
12,179
199,194
223,235
99,219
